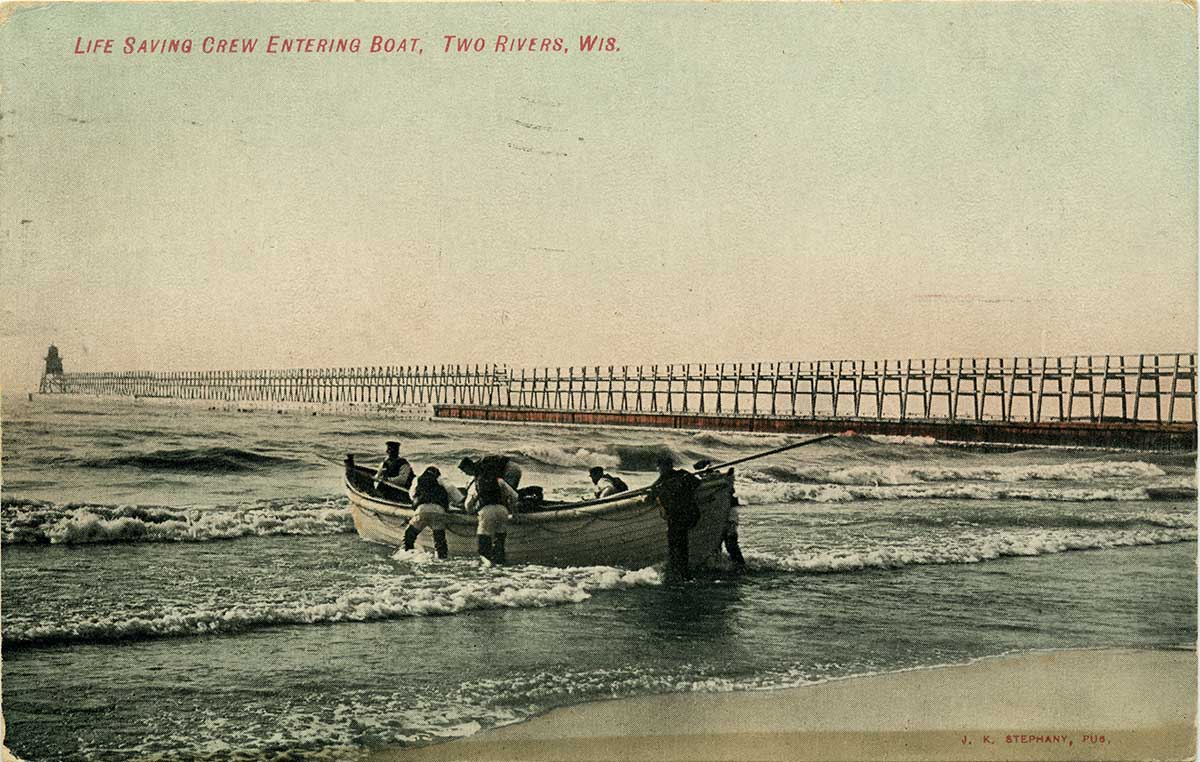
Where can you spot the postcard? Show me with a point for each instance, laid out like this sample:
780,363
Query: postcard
597,381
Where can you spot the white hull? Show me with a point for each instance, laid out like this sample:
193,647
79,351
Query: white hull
616,531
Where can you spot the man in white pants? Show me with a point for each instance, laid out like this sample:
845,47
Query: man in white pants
492,498
433,496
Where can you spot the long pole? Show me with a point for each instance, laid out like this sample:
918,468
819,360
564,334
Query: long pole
765,453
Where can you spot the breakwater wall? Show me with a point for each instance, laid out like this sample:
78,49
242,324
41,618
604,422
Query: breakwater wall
1145,400
1128,434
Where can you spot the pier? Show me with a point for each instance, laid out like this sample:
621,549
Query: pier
1143,400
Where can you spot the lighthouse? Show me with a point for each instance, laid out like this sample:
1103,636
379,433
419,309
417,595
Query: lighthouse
52,376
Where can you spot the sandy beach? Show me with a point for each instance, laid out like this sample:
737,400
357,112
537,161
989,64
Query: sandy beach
1063,705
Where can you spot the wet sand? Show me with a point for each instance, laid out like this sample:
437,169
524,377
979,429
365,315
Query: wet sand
1065,705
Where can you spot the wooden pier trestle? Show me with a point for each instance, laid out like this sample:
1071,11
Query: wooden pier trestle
1146,400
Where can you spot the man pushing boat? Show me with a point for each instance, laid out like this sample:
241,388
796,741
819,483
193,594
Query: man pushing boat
432,497
491,499
492,466
675,494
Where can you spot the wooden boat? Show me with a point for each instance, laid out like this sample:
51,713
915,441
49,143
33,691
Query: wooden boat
619,530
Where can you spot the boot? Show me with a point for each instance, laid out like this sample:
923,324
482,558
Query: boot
439,544
677,552
410,537
735,551
498,556
485,547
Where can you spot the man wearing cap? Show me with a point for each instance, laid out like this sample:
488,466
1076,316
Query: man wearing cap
398,473
675,494
606,484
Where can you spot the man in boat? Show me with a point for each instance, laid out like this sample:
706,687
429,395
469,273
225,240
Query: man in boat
432,496
490,466
675,494
730,537
491,498
398,473
606,484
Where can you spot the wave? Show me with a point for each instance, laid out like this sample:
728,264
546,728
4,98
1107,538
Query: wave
767,494
568,457
878,475
384,431
734,439
1048,520
893,439
550,687
619,456
93,412
32,522
463,587
135,434
189,460
1054,520
1010,546
645,457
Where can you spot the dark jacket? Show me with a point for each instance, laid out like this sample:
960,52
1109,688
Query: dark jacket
675,493
488,490
492,467
430,490
391,467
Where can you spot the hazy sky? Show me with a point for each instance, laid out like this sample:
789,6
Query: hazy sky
737,182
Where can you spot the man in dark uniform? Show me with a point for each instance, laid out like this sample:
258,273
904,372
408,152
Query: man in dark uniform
397,472
675,494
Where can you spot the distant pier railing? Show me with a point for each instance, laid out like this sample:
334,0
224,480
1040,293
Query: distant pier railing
1160,388
375,385
1144,389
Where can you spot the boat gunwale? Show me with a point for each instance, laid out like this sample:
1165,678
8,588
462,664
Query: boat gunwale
585,508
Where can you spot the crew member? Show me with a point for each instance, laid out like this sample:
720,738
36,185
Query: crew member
606,484
730,535
500,466
492,498
432,496
397,472
675,494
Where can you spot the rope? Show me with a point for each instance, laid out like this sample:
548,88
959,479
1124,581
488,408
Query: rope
585,520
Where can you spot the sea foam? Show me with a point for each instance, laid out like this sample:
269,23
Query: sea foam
448,588
765,494
964,551
37,522
875,475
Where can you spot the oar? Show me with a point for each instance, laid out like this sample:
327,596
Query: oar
764,454
363,469
340,461
328,459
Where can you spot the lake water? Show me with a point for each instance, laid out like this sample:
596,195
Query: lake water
187,584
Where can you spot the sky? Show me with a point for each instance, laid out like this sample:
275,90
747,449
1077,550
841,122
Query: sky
732,182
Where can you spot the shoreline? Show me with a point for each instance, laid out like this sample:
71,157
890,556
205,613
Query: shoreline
1093,704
